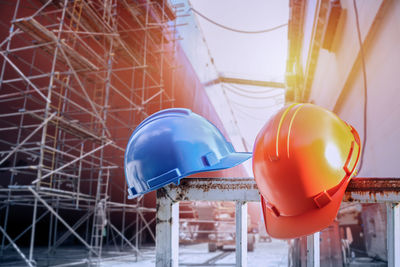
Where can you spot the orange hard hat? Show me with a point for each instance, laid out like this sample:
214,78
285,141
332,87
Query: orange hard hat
303,159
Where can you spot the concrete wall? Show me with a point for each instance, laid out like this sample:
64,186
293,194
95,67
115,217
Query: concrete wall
338,81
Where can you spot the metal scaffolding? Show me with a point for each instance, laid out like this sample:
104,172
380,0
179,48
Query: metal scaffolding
76,78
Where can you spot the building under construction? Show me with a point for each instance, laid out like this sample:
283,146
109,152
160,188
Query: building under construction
78,76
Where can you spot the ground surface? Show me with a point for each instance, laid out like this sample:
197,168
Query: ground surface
272,254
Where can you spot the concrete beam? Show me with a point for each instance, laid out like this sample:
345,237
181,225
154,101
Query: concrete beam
241,234
365,190
167,231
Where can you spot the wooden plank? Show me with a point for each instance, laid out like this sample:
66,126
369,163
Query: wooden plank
42,35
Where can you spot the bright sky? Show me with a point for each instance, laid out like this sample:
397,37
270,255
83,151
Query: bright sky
255,56
214,50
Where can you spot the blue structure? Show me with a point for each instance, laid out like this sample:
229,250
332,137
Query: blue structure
172,144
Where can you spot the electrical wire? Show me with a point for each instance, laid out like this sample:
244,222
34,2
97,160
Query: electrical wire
252,92
252,97
236,30
364,142
253,107
248,115
246,147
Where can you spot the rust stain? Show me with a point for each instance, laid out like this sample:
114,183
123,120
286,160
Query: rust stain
161,193
207,184
373,189
377,185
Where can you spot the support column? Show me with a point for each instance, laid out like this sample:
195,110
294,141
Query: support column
313,250
241,234
393,234
167,231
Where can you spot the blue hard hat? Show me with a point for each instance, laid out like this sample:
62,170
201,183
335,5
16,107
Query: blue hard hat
174,143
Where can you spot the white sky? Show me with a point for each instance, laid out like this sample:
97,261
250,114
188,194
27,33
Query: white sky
255,56
242,109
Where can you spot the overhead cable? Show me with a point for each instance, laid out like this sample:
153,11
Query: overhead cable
250,96
237,30
252,92
365,84
244,113
253,107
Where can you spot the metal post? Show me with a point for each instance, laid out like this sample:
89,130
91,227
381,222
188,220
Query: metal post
15,149
78,189
70,163
146,224
124,238
33,230
167,231
137,228
12,32
24,77
123,217
61,239
241,234
26,230
28,262
313,250
37,197
393,234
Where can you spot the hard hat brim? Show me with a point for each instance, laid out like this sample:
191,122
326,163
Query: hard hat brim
229,161
286,227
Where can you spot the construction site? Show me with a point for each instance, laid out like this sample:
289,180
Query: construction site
78,78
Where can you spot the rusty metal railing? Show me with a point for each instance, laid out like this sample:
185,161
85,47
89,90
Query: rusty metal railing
243,190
